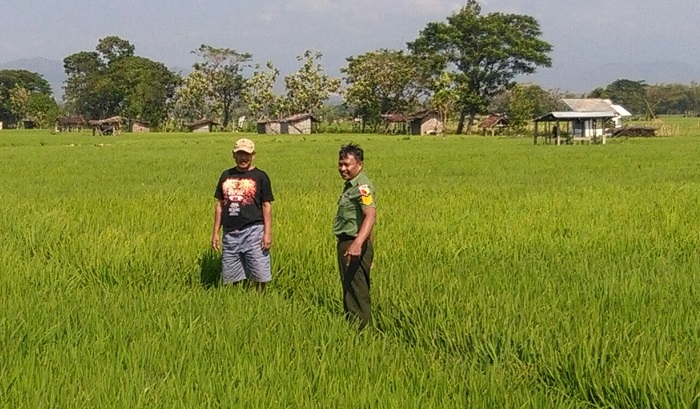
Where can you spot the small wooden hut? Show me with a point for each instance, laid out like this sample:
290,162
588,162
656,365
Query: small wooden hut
70,123
579,127
107,126
137,126
203,125
493,123
270,127
418,123
426,123
297,124
396,123
300,123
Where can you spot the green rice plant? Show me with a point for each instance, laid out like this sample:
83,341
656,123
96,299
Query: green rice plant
506,275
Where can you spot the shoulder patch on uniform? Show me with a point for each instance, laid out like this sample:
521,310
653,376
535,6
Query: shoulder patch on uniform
366,200
364,190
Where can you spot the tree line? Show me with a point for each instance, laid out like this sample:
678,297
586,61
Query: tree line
462,67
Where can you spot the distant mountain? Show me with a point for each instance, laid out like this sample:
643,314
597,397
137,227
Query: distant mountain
582,79
575,78
657,72
52,71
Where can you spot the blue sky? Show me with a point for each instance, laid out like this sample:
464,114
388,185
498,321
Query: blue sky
587,35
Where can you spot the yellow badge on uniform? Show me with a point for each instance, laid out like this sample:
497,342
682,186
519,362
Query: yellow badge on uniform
366,195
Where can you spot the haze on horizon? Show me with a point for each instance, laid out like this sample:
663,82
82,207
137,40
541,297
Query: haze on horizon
591,40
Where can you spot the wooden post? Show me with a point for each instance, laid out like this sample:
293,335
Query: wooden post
603,126
534,136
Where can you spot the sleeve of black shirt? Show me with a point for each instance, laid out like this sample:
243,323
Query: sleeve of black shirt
266,189
219,191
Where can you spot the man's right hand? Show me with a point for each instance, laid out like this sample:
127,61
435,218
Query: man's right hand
215,242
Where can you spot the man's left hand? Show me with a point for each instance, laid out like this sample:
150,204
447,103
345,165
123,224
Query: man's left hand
354,250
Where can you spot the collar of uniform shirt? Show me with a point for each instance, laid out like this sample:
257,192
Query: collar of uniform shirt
353,181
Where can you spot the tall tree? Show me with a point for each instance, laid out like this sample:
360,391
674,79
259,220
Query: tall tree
113,81
444,98
384,81
630,94
483,52
192,99
113,49
19,100
523,102
42,109
147,87
222,69
32,82
259,93
83,70
694,98
308,88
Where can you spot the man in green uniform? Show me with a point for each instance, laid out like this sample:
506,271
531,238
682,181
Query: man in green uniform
353,226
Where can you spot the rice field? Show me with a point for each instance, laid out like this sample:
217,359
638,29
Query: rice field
506,275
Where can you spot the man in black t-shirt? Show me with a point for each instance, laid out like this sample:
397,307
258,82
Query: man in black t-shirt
244,209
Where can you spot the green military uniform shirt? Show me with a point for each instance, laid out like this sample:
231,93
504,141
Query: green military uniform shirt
357,194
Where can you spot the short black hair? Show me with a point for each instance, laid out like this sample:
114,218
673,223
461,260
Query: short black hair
352,149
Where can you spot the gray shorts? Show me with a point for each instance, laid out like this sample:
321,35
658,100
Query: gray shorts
243,258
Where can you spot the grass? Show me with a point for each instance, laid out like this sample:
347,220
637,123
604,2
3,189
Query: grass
507,275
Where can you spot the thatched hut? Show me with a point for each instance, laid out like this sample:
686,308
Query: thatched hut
493,123
396,123
107,126
70,123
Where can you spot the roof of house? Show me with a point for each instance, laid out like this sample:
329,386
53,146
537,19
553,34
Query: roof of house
587,104
621,110
407,118
568,115
395,117
300,117
202,122
71,120
594,105
291,118
422,114
110,120
493,120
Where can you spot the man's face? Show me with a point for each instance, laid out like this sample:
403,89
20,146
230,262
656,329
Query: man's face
243,159
349,167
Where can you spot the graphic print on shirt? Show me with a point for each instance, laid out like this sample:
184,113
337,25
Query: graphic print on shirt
237,193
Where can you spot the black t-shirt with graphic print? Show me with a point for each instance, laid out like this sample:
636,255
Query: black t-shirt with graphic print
242,195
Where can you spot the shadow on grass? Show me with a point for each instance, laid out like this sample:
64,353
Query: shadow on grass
210,269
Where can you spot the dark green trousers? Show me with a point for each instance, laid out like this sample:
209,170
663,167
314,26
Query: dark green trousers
355,278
